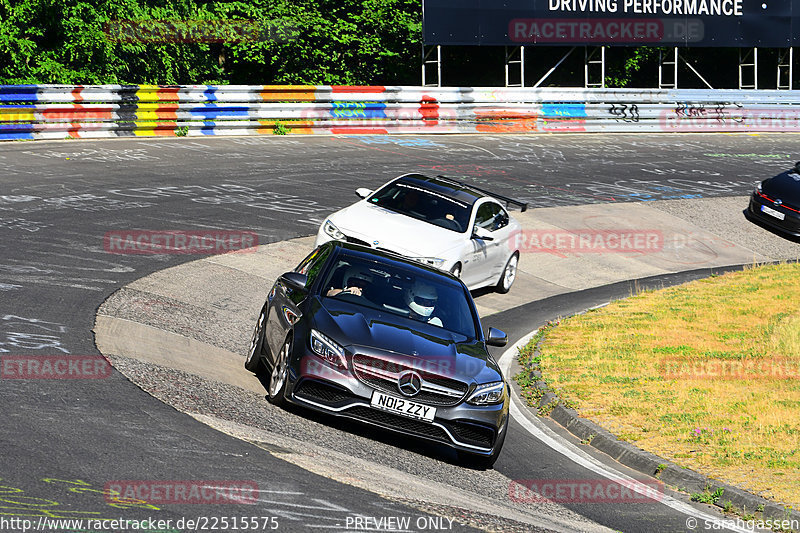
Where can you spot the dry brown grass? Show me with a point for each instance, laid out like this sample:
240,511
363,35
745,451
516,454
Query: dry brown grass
706,374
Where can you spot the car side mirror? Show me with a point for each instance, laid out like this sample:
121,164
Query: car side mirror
482,233
363,192
496,337
295,280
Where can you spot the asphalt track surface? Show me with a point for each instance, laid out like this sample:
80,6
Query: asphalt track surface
64,440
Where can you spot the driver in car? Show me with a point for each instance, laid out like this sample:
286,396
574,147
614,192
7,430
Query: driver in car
354,280
421,299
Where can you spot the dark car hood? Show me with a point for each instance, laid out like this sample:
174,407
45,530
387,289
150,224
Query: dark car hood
364,330
784,186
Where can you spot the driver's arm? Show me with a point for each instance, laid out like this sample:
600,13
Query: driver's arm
347,290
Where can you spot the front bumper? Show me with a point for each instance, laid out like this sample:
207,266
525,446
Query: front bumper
790,225
323,237
316,385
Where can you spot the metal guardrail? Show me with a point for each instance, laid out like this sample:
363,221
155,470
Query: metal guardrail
58,111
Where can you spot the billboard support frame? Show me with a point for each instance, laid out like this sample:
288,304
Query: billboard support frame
788,55
426,61
669,61
743,66
696,73
510,60
554,67
587,64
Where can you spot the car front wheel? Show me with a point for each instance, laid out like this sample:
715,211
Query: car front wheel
509,274
253,361
279,375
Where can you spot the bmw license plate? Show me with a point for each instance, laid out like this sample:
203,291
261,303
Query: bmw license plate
772,212
402,406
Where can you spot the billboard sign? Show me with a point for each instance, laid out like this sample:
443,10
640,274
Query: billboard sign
708,23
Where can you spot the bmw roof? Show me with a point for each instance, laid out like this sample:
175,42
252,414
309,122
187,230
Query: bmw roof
457,190
444,186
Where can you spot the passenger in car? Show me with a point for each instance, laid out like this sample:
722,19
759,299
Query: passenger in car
421,299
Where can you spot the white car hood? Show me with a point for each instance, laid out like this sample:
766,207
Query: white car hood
395,232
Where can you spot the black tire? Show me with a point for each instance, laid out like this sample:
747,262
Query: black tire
279,375
509,274
255,354
456,270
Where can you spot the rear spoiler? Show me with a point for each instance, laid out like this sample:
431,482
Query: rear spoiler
523,206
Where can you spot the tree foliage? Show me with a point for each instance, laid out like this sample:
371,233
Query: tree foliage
318,42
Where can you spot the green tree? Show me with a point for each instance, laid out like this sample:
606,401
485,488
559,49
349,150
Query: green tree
329,42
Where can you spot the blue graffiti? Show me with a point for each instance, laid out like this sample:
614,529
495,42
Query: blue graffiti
213,111
400,141
210,94
19,93
564,110
358,110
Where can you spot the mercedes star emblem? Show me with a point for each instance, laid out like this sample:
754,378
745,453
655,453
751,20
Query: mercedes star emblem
409,383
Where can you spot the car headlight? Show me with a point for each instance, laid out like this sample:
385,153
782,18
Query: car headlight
433,261
333,231
327,348
487,394
758,188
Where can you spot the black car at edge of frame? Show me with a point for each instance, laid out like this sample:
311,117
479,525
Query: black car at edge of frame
387,341
775,202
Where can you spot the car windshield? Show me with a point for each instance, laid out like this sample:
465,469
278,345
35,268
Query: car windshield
409,293
410,199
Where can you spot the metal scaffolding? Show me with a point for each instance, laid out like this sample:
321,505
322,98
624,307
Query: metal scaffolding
590,60
436,51
515,57
668,77
748,64
785,63
594,67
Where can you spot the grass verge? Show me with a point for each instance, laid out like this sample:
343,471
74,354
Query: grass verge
706,374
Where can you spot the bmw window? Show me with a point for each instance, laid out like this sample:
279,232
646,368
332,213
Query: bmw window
491,216
416,202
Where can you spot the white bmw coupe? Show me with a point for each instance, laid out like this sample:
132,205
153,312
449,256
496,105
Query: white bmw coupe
438,221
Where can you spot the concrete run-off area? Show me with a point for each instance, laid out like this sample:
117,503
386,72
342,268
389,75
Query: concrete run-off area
187,328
